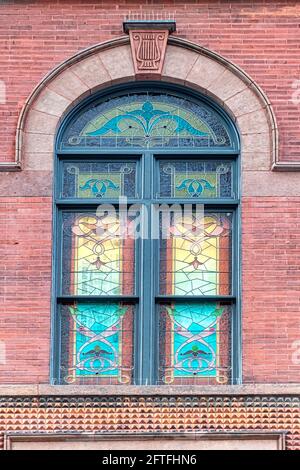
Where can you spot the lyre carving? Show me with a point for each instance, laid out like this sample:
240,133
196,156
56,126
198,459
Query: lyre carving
148,50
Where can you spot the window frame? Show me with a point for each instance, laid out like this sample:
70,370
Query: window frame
145,345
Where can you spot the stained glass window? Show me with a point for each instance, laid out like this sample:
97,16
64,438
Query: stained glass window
147,120
146,294
195,262
93,343
97,258
195,343
102,180
195,179
195,259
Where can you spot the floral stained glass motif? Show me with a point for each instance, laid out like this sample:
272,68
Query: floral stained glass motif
96,343
97,257
97,260
147,120
195,343
195,179
195,259
101,180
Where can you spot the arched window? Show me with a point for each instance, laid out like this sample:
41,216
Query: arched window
146,281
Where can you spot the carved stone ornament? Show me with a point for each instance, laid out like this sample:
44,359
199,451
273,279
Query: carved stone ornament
148,45
148,50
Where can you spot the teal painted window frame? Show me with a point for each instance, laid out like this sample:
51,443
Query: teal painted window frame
147,297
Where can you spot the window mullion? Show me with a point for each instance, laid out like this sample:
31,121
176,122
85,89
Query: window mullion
146,320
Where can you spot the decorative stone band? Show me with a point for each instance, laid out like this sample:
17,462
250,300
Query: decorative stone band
207,440
195,414
26,390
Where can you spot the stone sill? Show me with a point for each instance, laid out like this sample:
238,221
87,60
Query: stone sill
132,390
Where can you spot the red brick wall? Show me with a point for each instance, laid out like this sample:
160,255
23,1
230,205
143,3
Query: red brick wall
271,289
25,280
263,38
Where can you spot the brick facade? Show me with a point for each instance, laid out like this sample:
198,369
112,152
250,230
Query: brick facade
271,296
26,282
262,38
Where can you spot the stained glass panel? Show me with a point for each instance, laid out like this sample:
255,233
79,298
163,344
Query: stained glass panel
195,343
102,180
99,252
147,120
196,258
194,179
96,343
97,256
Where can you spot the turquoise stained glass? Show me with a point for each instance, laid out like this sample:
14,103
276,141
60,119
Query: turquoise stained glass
147,120
93,342
195,342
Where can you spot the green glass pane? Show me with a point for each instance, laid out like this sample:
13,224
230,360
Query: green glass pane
102,180
195,179
147,120
96,345
195,342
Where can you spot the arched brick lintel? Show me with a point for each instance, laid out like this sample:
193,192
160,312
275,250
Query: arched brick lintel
110,63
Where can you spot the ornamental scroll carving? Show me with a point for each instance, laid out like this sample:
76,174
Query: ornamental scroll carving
148,50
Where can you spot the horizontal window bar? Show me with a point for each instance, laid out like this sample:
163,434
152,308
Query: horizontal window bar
156,152
191,201
195,298
96,202
96,298
81,154
201,154
73,203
